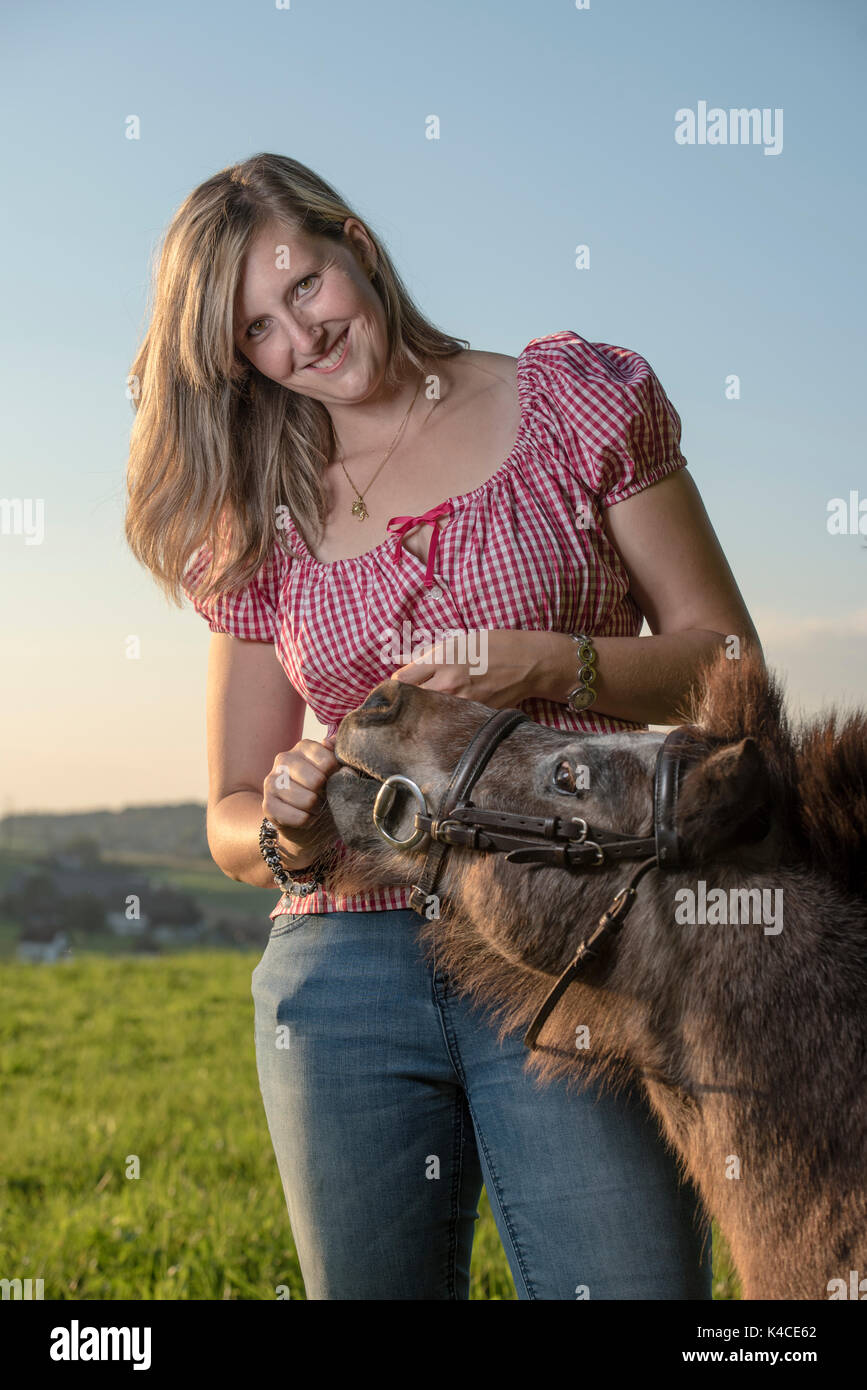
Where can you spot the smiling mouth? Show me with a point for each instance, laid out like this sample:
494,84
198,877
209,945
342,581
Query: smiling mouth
335,356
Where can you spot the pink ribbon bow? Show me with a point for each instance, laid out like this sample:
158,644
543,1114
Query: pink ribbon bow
401,524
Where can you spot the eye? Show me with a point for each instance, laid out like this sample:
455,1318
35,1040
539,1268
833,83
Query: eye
306,280
564,778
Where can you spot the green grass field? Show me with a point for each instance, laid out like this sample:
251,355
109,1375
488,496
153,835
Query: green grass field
103,1058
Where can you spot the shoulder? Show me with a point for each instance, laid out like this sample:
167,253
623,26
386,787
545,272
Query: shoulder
499,364
475,370
600,382
563,375
565,349
555,368
569,355
248,610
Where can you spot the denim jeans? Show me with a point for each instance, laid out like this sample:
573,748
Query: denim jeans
390,1102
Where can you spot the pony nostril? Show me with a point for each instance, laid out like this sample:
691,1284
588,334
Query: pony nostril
383,699
376,701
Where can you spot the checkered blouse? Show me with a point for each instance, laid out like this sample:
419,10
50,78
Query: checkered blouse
525,549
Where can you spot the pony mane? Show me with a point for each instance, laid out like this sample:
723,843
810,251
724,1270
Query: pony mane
832,768
818,770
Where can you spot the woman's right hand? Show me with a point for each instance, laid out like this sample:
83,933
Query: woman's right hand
294,793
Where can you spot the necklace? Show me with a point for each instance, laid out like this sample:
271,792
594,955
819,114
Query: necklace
359,507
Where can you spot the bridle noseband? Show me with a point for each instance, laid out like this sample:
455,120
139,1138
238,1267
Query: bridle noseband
565,841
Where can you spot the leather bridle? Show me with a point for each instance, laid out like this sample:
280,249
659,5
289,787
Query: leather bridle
565,841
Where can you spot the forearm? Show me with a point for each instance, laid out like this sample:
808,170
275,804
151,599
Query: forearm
233,839
643,679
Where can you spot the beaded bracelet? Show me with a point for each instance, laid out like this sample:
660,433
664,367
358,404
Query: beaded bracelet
297,888
583,693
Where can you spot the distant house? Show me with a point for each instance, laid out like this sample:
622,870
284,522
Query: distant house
42,945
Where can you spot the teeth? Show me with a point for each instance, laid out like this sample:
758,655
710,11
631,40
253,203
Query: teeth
333,356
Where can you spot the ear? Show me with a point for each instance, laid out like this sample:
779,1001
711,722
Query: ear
725,801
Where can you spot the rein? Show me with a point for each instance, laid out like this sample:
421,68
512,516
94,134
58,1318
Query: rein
568,842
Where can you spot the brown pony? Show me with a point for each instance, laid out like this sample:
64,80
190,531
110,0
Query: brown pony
736,991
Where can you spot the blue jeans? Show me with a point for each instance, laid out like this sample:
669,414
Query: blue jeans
389,1102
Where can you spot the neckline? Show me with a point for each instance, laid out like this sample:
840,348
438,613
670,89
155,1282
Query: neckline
460,500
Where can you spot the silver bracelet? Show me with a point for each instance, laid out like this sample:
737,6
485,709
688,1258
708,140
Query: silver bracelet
296,887
583,693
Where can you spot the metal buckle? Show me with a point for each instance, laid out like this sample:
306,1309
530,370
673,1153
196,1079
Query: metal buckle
418,899
579,820
438,826
385,800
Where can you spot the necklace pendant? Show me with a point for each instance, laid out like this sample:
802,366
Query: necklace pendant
359,510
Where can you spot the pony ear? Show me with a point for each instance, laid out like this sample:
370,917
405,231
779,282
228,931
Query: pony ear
725,801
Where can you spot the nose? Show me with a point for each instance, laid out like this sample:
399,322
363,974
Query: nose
304,341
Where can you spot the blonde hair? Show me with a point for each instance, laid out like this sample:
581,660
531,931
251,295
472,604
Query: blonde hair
216,447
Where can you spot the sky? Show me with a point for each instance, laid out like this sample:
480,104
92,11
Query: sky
557,128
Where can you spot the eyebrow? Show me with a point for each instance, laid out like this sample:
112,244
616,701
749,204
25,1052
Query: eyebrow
247,321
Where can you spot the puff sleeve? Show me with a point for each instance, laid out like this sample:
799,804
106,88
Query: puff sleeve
251,612
607,415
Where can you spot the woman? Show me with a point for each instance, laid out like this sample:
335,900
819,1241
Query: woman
323,471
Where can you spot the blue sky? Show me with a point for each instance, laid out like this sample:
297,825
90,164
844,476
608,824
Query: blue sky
557,128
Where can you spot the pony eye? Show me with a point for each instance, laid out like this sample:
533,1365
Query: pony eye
564,778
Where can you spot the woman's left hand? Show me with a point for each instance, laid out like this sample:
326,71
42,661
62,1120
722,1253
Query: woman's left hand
496,666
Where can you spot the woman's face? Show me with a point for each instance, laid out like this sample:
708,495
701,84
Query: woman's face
301,297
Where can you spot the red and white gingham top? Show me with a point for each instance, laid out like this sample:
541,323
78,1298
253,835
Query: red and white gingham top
525,549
